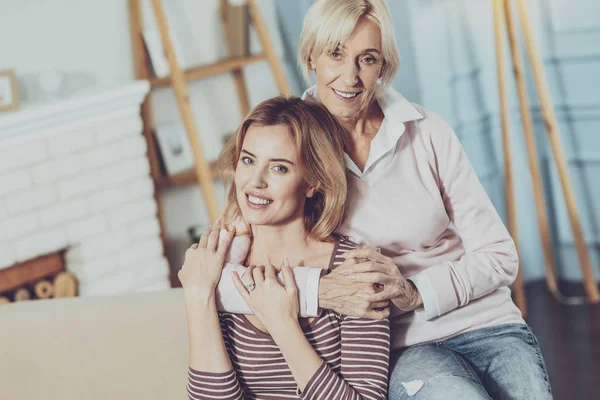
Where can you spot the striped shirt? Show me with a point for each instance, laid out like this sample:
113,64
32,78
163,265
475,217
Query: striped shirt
354,353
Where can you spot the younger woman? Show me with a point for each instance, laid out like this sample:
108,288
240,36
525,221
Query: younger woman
290,185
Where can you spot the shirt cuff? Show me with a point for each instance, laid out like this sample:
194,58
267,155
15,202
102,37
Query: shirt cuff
227,296
307,281
441,285
312,292
315,382
430,308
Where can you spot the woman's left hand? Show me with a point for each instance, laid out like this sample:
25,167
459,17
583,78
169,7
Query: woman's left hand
272,302
371,266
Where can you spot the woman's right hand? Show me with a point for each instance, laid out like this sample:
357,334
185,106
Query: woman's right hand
204,261
338,291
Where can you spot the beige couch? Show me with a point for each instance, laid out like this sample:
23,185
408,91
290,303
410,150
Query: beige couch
130,346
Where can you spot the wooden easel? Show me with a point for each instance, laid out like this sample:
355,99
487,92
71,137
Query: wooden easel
202,173
503,19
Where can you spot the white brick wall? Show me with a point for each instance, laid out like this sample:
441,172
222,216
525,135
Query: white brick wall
148,228
46,241
118,130
82,229
3,210
86,190
133,212
57,168
63,212
70,142
29,199
18,226
7,254
14,181
23,154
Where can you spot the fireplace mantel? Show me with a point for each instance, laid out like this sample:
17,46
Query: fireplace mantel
43,117
74,176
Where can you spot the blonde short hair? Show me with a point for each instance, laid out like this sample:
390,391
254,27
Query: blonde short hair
319,142
330,23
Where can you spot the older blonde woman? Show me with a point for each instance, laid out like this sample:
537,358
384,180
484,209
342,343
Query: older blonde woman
443,258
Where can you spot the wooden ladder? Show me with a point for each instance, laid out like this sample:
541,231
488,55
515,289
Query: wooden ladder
202,173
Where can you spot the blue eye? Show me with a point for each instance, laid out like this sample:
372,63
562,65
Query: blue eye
336,55
369,60
281,169
247,160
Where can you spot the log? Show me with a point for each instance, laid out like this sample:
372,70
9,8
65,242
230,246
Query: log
65,285
22,294
43,289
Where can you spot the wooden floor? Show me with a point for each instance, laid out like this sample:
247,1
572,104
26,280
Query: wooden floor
569,337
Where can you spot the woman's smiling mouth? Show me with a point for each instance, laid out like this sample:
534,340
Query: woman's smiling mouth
257,202
346,95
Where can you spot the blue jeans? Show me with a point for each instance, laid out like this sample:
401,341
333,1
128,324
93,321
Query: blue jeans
500,362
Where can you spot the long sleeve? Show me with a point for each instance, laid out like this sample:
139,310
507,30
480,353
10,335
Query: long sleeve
218,386
490,260
364,364
307,280
210,385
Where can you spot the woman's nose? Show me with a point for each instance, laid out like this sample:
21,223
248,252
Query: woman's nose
350,74
257,179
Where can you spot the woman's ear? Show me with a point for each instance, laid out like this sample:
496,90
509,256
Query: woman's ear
311,192
311,64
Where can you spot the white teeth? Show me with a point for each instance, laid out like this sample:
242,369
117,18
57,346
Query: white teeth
256,200
346,95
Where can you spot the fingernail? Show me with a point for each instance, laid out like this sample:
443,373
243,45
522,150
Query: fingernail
286,262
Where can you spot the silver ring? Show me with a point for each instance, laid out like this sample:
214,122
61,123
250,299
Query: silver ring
250,287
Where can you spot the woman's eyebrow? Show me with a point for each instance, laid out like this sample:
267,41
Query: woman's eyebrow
284,160
281,160
371,50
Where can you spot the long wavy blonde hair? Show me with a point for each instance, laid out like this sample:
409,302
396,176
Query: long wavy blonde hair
319,144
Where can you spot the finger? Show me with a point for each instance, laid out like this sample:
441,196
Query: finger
370,277
248,275
371,266
377,314
204,237
384,295
239,285
225,241
371,253
270,272
380,304
258,275
194,246
288,278
213,239
344,266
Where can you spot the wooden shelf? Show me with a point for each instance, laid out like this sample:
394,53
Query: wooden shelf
204,71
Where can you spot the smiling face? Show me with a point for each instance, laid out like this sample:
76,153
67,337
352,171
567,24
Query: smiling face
270,185
347,76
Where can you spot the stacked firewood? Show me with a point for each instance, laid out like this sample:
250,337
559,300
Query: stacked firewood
61,285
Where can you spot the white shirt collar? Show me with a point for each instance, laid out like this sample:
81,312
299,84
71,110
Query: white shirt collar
396,110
